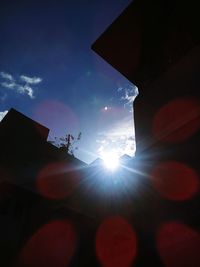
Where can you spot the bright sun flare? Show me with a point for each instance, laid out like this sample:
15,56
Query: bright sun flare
110,160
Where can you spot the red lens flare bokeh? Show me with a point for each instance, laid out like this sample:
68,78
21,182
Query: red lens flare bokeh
116,243
175,181
177,121
57,180
53,245
57,116
178,245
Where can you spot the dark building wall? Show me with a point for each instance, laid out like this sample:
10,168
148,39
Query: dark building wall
37,187
20,138
149,37
155,44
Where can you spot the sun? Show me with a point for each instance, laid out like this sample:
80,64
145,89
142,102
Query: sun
110,160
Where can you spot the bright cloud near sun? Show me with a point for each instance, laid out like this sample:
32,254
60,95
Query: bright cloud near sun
119,138
24,85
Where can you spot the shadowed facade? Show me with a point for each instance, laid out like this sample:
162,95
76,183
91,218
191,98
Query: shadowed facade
155,44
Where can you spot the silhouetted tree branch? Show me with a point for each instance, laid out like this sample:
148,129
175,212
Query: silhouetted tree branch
67,143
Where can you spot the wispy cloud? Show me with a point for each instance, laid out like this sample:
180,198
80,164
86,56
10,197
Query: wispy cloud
25,89
30,80
21,89
23,86
9,85
6,76
129,94
3,114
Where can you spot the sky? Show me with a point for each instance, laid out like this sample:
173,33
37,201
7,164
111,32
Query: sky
49,72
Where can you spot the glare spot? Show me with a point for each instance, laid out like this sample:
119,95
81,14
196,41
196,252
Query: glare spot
110,160
106,108
88,73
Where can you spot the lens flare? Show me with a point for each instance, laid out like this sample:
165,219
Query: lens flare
57,180
53,245
175,181
177,121
116,243
178,245
110,161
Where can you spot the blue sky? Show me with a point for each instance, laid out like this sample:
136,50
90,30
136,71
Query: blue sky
49,72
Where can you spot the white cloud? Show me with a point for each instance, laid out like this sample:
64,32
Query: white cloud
129,96
25,89
2,114
6,76
9,85
118,139
21,89
30,80
23,86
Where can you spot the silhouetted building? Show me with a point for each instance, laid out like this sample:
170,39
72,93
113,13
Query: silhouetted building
37,186
52,204
156,45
